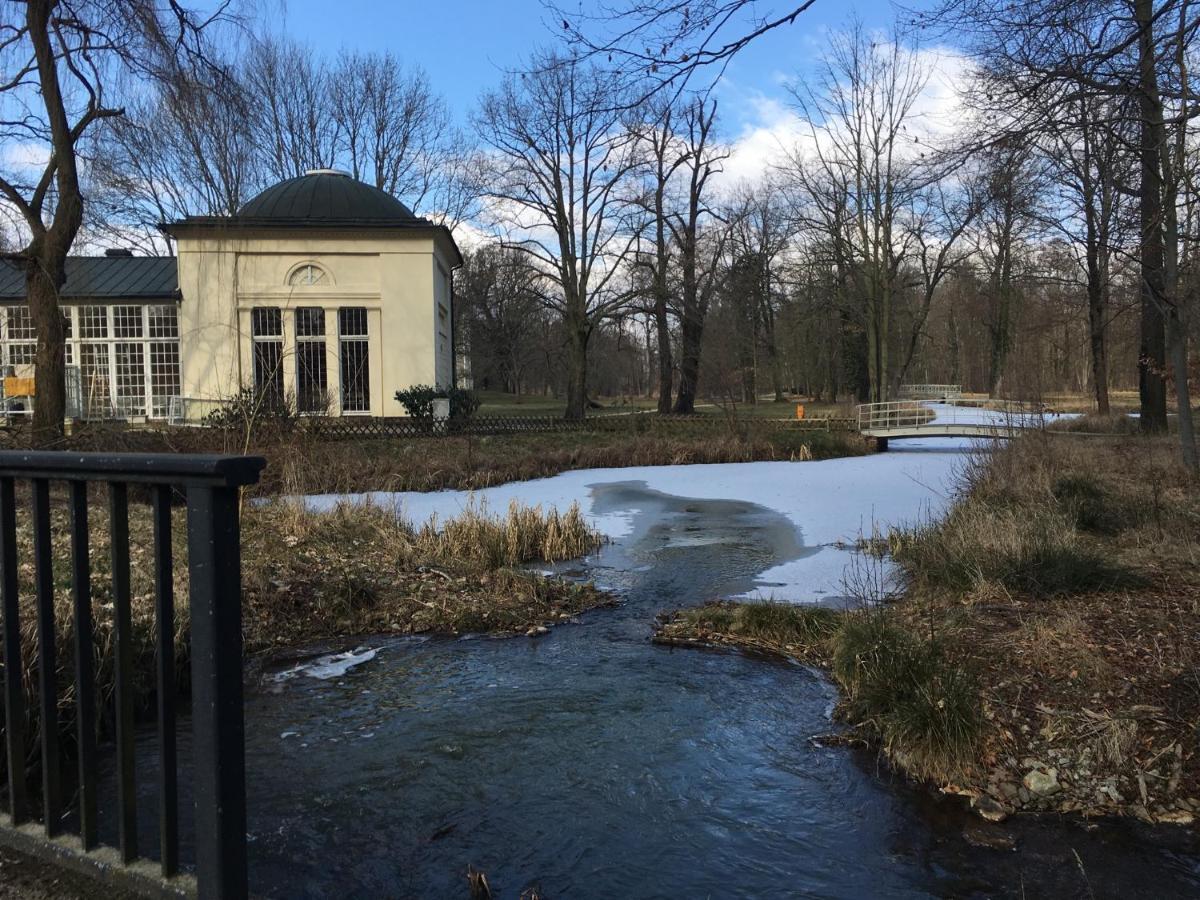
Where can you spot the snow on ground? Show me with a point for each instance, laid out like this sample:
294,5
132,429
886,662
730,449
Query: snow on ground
832,502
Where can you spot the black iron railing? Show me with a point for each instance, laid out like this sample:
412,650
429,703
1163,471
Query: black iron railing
210,486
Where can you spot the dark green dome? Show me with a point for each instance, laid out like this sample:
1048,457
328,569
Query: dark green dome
327,196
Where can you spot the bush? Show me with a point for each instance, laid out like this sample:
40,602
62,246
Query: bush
252,409
418,401
925,710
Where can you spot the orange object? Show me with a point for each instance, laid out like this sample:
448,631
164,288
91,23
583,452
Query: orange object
799,410
18,387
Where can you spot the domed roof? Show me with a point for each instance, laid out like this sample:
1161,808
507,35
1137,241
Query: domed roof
327,196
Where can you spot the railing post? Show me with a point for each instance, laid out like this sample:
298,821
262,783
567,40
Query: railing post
214,556
14,692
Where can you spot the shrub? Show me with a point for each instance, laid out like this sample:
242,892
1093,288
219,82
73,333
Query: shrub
254,409
926,710
418,401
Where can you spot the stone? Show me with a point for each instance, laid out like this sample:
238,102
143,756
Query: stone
1009,790
1176,817
1041,784
989,809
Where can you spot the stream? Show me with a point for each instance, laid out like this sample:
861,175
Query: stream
590,763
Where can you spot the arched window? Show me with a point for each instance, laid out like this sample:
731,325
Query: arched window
306,275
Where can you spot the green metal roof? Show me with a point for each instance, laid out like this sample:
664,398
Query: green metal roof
327,196
103,277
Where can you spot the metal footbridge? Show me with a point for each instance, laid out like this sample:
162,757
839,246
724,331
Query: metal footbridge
897,419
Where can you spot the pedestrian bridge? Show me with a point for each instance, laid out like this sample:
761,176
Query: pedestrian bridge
896,419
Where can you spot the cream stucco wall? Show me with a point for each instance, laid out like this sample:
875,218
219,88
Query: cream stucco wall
395,275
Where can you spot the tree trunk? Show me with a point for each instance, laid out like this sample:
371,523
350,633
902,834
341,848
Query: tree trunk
666,369
1097,308
1152,389
1178,347
691,332
577,341
43,278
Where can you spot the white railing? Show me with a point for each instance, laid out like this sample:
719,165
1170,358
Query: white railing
930,391
937,418
893,414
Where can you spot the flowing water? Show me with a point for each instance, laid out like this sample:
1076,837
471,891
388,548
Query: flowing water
592,763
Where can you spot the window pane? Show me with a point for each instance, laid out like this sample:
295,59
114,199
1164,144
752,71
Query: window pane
356,382
131,379
164,376
268,369
308,274
93,370
21,354
266,321
127,321
93,321
20,324
352,321
312,395
164,321
310,322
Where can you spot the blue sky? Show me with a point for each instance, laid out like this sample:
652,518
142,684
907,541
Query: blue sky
465,45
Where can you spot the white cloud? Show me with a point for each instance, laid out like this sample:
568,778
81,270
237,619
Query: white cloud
773,128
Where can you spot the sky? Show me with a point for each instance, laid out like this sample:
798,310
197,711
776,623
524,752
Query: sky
466,45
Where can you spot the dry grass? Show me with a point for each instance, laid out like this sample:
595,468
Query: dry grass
1067,573
299,464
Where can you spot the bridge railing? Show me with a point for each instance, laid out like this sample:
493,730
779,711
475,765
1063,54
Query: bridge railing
210,487
893,414
930,392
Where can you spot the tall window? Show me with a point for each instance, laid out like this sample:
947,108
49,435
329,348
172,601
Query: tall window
356,368
163,326
311,376
266,328
95,361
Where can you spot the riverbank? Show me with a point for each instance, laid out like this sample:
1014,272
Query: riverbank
1043,656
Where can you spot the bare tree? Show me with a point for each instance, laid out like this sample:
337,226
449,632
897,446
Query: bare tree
60,66
664,158
183,149
289,85
557,178
860,171
1111,49
664,43
394,130
700,236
